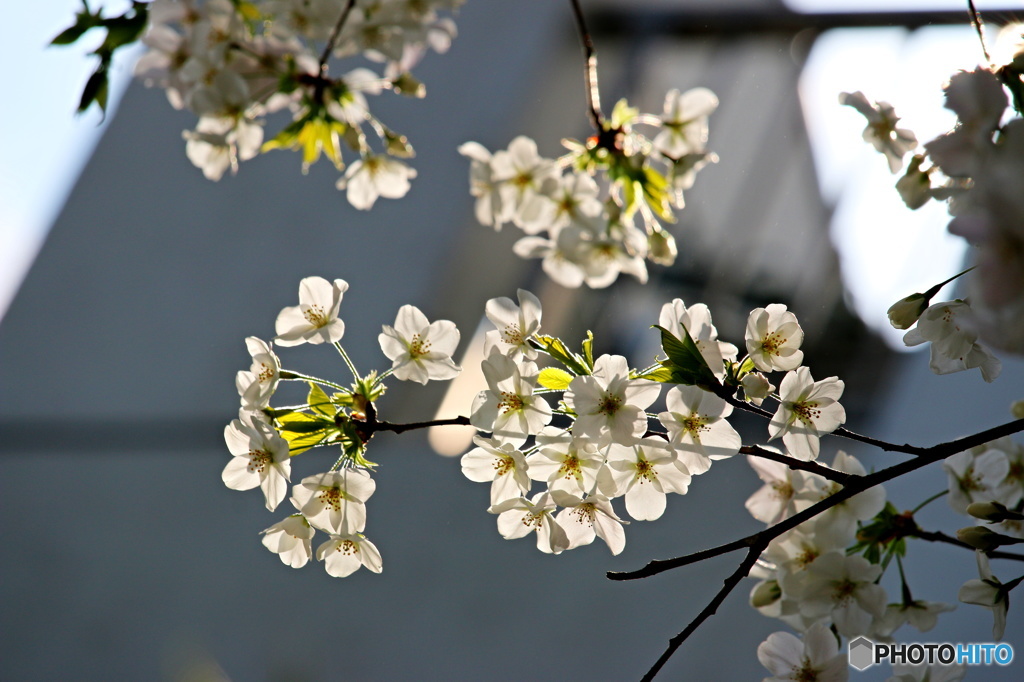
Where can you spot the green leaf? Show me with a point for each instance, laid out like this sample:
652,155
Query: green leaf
73,33
656,193
302,422
588,349
319,402
300,442
555,347
95,90
685,362
554,378
659,374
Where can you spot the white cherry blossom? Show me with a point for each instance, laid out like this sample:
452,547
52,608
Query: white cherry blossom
290,540
685,122
516,324
881,130
696,320
499,463
773,338
509,409
583,519
842,588
950,329
807,410
565,461
519,517
375,176
335,501
988,591
260,459
697,428
815,659
785,491
344,554
644,473
258,384
609,405
419,349
315,319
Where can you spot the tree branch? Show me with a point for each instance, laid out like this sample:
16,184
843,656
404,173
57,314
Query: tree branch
589,70
375,426
758,542
939,536
329,47
840,477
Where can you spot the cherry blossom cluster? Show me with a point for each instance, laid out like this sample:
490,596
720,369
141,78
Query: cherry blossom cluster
596,444
976,167
823,575
263,439
232,63
598,210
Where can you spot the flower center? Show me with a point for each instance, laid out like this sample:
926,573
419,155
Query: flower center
783,489
805,673
266,373
332,498
513,335
645,471
348,548
418,346
510,402
843,592
503,465
315,315
570,467
533,520
807,412
694,424
584,514
609,404
258,461
772,343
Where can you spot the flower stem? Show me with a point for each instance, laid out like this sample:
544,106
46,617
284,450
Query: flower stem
348,361
589,70
928,501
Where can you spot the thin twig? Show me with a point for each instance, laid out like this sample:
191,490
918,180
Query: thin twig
976,23
756,543
939,536
329,47
400,428
589,70
839,477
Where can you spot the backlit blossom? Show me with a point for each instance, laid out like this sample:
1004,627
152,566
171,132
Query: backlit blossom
950,328
881,130
644,473
843,588
499,463
988,591
315,319
696,320
697,428
260,459
815,659
515,324
773,338
290,540
685,122
375,176
565,461
344,554
335,501
509,409
608,404
257,385
419,349
586,518
519,517
807,410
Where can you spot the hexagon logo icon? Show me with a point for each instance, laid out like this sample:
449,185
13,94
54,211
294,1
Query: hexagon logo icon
862,653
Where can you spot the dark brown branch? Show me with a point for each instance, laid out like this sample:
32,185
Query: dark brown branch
401,428
976,23
758,542
845,433
939,536
589,70
329,47
839,477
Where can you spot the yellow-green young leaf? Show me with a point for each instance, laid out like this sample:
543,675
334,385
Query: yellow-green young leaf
656,193
659,374
248,10
300,442
343,399
556,349
622,113
685,362
319,402
588,349
554,378
301,422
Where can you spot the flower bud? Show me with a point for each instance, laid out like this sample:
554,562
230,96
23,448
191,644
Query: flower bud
398,145
407,85
755,387
1017,409
662,248
915,186
906,311
765,593
992,511
984,539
